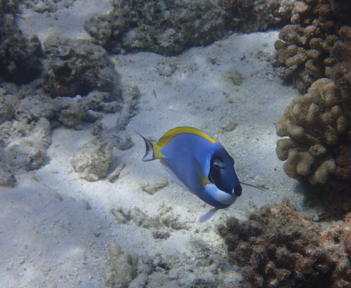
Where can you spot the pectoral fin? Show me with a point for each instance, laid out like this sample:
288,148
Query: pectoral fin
208,215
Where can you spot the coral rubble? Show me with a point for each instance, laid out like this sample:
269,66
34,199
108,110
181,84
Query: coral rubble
279,247
164,27
205,269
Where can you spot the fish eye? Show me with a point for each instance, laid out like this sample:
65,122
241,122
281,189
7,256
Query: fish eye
217,166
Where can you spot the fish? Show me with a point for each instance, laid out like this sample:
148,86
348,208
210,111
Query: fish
198,163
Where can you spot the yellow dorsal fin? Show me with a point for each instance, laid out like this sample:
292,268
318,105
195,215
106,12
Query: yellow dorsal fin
180,130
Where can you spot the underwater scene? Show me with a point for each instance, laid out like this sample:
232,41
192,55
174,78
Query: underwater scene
175,143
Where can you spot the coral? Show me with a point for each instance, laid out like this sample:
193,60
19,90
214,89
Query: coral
93,161
42,6
305,45
341,72
34,107
279,247
6,107
250,16
19,56
77,67
164,27
314,123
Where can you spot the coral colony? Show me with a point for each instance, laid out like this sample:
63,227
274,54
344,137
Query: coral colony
278,246
315,53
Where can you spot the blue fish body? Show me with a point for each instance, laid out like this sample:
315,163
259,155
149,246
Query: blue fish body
198,163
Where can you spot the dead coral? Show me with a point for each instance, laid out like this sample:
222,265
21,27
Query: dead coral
250,16
19,56
164,27
314,124
305,44
77,67
279,247
93,160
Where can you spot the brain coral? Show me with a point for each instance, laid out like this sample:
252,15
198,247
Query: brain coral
164,27
305,44
314,123
279,247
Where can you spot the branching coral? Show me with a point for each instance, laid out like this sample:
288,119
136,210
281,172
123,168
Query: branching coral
314,123
282,248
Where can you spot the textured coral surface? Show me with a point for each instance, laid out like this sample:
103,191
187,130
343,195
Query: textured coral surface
256,15
279,247
77,67
304,48
165,27
19,56
314,124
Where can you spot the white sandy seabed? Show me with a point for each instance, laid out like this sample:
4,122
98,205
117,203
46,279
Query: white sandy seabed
55,227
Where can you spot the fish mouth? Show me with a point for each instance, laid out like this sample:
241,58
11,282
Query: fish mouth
237,191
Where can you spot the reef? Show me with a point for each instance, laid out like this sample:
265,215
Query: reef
19,56
314,123
304,48
77,67
257,15
280,247
42,6
164,27
341,51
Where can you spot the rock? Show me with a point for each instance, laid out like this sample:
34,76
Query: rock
92,161
77,67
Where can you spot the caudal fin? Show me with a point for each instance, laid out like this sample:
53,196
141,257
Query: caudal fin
149,149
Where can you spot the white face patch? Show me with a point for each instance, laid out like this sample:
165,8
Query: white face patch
221,196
